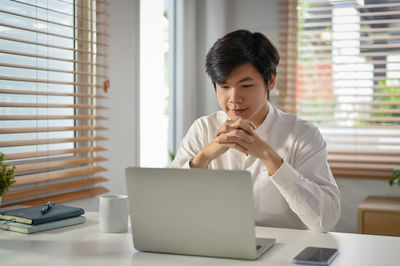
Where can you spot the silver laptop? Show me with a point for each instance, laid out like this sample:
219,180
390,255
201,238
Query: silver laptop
193,212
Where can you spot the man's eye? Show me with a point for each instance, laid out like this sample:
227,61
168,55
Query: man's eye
247,85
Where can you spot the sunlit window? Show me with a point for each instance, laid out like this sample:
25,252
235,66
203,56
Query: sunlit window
345,55
154,84
28,43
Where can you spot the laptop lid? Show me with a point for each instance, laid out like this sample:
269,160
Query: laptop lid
192,211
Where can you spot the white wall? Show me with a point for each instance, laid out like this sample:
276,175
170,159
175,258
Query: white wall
211,24
122,103
253,14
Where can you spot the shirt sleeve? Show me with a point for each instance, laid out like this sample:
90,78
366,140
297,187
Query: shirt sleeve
308,186
190,145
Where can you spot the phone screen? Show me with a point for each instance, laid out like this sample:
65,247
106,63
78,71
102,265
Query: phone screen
316,256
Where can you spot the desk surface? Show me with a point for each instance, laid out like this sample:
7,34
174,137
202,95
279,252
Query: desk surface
85,245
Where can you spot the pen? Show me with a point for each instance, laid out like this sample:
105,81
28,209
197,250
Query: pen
47,207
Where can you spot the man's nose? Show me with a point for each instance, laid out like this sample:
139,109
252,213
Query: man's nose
235,95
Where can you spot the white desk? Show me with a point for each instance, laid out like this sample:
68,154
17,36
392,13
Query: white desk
85,245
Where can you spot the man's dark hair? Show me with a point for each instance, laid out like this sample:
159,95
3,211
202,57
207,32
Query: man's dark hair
237,48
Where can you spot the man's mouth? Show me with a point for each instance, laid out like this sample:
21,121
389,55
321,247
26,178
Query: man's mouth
239,111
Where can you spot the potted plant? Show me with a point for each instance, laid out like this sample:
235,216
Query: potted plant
396,179
6,176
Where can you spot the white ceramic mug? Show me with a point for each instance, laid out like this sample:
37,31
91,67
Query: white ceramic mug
113,213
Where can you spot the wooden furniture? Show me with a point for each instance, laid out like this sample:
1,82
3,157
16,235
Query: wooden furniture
379,215
84,244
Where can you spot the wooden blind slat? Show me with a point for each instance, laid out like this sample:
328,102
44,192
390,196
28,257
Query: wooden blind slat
321,87
75,49
56,175
343,23
49,129
363,166
50,69
358,119
307,95
85,7
329,48
51,93
336,126
311,93
319,62
362,30
49,105
304,102
49,57
364,159
361,142
13,78
50,164
52,117
364,6
311,16
37,154
358,174
55,11
318,56
15,143
51,34
349,38
36,191
62,197
52,22
375,152
360,134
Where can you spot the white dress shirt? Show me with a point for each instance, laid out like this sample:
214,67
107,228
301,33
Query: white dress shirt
302,194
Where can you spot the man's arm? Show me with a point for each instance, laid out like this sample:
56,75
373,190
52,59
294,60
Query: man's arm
190,145
309,187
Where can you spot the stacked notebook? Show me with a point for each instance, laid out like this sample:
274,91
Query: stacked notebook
31,220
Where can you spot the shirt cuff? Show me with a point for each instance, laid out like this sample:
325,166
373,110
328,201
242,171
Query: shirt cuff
285,177
186,165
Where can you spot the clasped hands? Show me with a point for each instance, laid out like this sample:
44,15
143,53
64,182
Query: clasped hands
238,134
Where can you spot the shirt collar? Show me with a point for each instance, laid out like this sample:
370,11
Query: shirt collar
265,126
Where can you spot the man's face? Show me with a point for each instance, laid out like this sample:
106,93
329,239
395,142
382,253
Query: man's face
244,94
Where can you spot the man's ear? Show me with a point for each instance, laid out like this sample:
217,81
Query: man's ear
271,82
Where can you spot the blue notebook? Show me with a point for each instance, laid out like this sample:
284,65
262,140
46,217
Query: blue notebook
29,229
32,215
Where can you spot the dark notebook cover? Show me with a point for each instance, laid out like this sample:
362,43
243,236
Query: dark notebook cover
30,229
32,215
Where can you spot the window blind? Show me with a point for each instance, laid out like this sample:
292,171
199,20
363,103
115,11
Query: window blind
53,72
341,71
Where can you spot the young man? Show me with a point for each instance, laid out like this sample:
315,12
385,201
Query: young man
293,186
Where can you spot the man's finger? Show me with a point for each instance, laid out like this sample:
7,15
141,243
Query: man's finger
236,135
244,124
224,129
235,146
238,147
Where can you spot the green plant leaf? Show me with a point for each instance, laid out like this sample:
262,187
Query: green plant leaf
6,175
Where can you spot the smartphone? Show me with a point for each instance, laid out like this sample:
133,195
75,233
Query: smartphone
316,256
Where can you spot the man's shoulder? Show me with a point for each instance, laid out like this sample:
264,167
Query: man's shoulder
292,120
